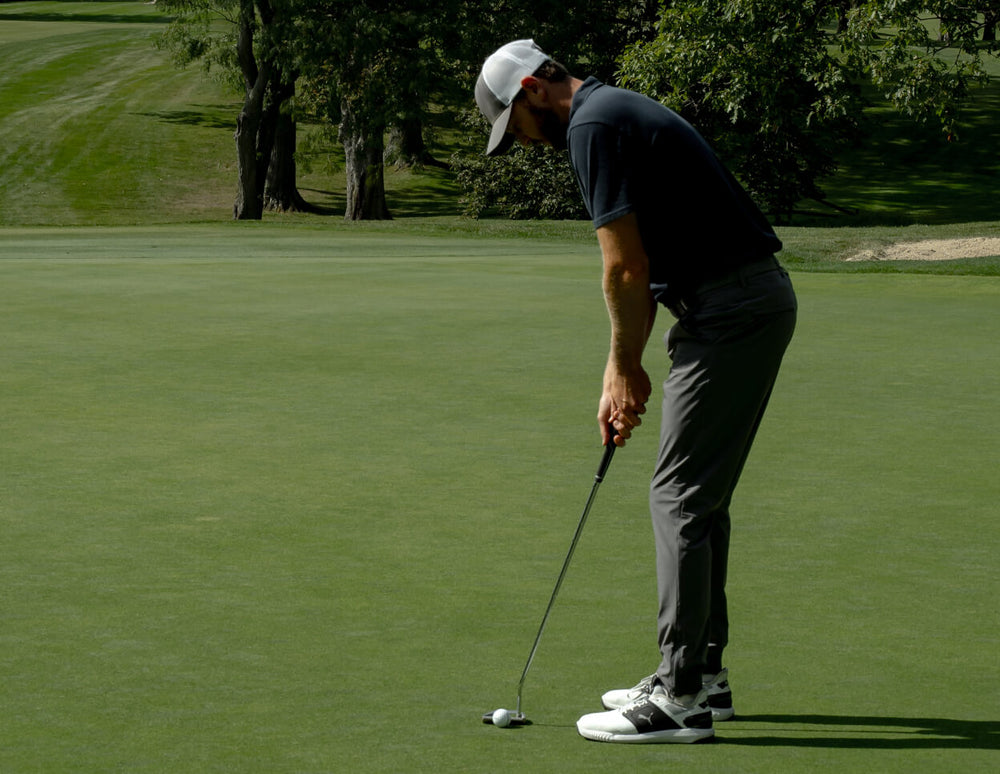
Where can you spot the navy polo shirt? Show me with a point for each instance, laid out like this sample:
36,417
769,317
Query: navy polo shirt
633,155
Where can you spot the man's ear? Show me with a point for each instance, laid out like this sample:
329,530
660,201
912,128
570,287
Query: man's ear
534,89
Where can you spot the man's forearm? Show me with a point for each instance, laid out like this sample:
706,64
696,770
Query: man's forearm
631,308
630,311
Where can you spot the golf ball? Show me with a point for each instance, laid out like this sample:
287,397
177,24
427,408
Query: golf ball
501,718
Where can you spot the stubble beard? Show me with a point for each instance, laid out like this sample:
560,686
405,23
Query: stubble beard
551,127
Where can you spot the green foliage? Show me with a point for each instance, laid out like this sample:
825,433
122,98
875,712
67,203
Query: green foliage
756,78
772,83
924,57
524,183
375,56
203,32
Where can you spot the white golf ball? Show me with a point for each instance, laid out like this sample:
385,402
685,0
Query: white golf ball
501,718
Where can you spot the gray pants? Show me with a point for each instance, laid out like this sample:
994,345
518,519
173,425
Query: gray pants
725,358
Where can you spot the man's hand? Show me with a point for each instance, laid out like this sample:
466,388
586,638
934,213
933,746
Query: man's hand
623,403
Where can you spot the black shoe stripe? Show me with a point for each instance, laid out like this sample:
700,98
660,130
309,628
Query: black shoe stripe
648,717
701,720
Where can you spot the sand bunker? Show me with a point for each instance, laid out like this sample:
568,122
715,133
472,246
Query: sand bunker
933,250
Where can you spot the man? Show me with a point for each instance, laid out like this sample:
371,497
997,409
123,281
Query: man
675,230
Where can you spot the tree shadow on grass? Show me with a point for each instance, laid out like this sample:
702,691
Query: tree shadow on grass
905,173
422,200
862,733
104,18
209,118
324,202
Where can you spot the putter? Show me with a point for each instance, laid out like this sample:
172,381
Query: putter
517,718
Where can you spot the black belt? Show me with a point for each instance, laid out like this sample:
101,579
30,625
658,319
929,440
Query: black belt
688,302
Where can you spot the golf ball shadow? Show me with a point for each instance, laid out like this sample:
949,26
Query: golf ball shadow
504,718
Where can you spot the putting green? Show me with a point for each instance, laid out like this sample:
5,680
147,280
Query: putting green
293,499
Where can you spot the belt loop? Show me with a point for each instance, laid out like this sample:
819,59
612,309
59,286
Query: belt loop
744,273
679,308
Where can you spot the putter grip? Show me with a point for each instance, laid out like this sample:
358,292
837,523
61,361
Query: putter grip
609,452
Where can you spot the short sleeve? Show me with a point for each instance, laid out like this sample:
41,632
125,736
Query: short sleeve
601,167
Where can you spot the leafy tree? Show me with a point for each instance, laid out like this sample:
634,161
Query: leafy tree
363,63
362,66
900,46
772,83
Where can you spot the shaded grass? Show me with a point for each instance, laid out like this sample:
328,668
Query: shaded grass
278,498
112,12
902,173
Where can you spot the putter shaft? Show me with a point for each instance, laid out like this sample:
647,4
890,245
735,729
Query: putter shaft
609,451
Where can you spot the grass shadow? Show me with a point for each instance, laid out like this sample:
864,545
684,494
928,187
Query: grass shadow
209,118
105,18
420,199
904,173
324,202
866,732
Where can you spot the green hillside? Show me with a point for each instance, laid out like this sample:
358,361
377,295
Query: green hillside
99,127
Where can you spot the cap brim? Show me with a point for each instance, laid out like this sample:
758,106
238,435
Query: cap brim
500,138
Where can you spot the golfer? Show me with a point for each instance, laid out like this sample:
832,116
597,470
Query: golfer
675,230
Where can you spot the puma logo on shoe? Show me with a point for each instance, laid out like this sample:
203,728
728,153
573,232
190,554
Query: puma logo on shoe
646,718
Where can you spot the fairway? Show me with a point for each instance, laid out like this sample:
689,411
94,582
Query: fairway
98,125
293,499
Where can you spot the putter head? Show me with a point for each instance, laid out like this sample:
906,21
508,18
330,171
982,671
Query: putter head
516,719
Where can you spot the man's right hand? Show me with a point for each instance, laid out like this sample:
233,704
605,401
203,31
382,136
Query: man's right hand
622,403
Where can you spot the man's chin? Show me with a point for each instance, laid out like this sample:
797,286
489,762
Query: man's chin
553,130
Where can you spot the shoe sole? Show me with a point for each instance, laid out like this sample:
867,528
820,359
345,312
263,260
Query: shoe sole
676,736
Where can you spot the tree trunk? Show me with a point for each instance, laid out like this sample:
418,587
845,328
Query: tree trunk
990,24
278,132
249,204
281,193
364,146
406,146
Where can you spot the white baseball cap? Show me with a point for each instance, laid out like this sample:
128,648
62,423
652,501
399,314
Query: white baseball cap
500,82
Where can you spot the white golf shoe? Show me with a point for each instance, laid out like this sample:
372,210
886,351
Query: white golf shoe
720,696
654,718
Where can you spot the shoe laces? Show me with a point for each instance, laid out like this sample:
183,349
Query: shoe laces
644,687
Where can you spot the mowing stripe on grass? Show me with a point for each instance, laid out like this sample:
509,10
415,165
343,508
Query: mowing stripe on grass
93,124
